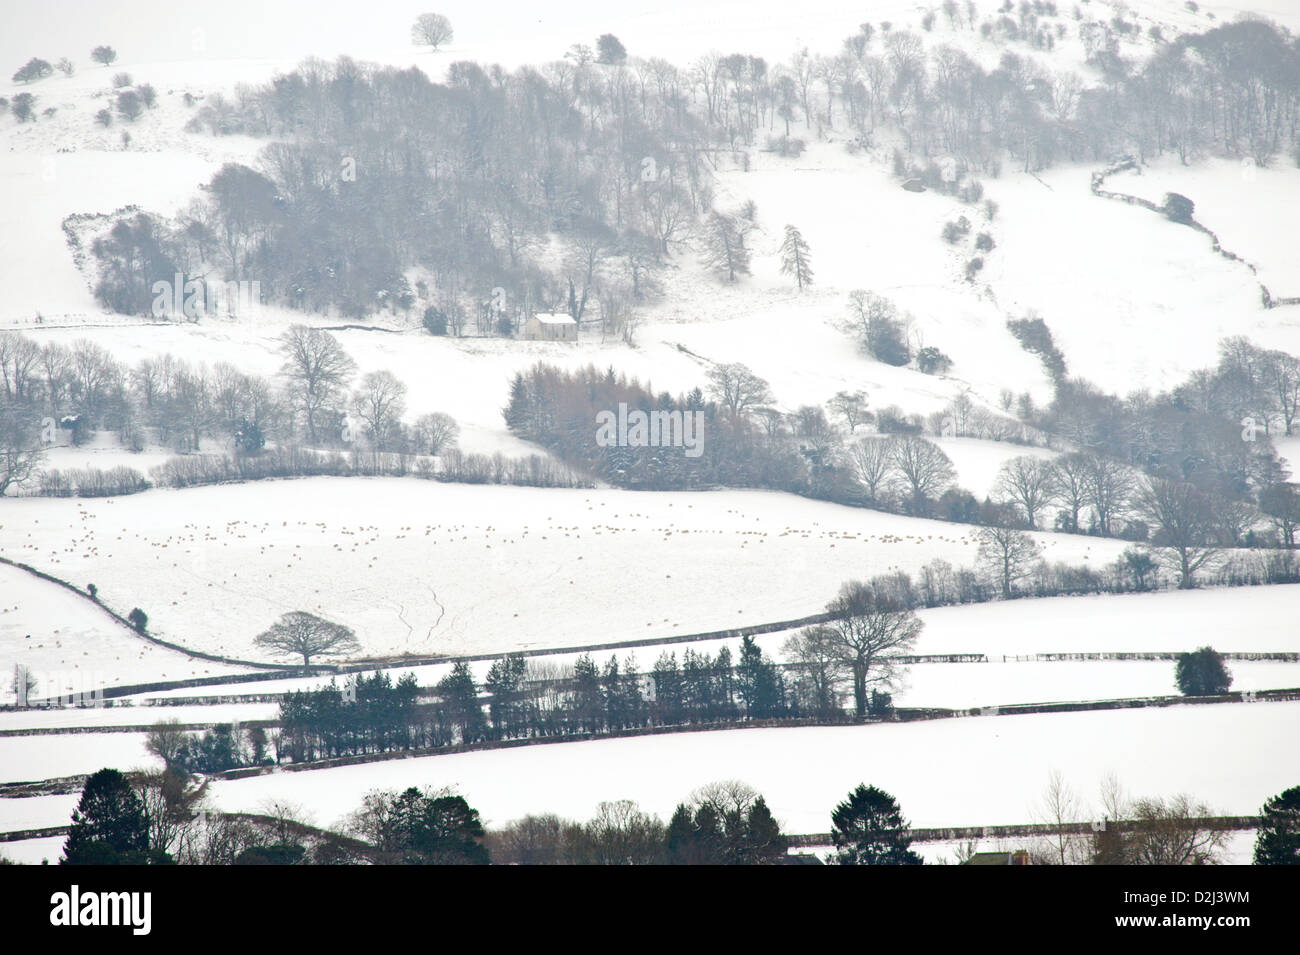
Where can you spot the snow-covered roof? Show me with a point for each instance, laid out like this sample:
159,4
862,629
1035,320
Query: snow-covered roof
551,318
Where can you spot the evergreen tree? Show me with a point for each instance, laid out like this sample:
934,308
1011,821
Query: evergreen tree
588,701
869,829
1202,673
458,690
724,247
1278,841
766,844
422,829
760,685
795,257
109,826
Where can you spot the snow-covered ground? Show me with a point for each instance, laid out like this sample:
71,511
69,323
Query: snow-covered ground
29,758
71,646
975,771
1134,301
421,567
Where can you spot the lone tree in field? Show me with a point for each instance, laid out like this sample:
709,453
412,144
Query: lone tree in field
869,829
1278,841
870,630
795,258
307,634
109,825
431,29
1202,673
104,54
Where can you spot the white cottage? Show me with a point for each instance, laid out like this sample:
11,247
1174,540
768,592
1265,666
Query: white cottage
551,327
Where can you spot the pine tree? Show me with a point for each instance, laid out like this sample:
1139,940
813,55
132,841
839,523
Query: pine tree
109,826
869,829
795,257
766,844
458,690
1278,842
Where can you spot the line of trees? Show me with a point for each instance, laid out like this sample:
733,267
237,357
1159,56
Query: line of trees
162,818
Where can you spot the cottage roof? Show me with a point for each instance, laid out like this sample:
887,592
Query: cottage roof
551,318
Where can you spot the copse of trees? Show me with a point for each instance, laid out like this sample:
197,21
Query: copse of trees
1202,672
34,69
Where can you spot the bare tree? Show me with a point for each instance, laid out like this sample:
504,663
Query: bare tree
21,450
1059,808
1184,525
431,29
868,634
1027,482
924,467
1281,503
1069,487
873,464
851,406
1108,485
435,432
738,389
166,740
170,800
299,632
818,677
1008,555
1171,832
317,368
380,403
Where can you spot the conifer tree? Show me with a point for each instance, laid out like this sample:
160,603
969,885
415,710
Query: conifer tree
869,829
795,257
1278,841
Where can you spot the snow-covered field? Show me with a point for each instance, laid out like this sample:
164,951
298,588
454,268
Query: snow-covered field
29,758
974,771
71,646
1134,301
420,567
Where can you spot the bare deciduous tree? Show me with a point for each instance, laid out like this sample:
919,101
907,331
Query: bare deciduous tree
868,634
1184,526
738,389
1008,555
431,29
299,632
1027,482
380,403
317,368
924,467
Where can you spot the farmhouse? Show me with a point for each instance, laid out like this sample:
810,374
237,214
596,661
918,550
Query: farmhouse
550,327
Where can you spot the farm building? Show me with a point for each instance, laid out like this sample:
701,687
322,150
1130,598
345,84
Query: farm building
549,327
